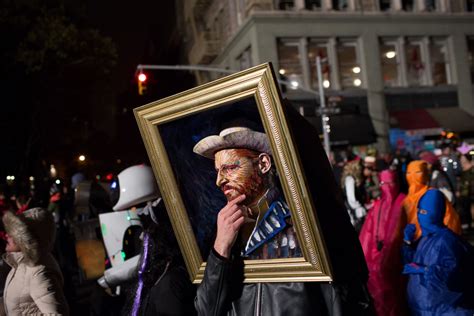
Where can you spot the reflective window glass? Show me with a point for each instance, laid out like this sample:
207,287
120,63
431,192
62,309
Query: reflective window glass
349,68
285,4
408,5
312,4
319,48
390,64
439,62
415,64
289,60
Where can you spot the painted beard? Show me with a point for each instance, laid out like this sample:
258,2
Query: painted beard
239,173
251,186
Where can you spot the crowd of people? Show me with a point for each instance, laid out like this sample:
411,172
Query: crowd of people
413,215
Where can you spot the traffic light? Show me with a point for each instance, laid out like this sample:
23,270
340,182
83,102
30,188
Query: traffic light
142,80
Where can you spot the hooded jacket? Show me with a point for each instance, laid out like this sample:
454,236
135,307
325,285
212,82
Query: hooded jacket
381,244
34,284
440,271
418,178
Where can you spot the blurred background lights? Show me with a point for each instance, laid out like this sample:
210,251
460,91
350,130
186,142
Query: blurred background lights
357,82
326,83
356,70
282,71
57,181
294,84
82,158
52,171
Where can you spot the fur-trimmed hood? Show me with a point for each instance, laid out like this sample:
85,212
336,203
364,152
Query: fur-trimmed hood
33,231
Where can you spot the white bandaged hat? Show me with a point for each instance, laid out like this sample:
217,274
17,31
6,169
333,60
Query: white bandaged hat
234,137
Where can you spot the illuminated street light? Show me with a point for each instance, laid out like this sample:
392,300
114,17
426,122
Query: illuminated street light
390,54
282,71
57,181
52,171
82,158
326,84
32,178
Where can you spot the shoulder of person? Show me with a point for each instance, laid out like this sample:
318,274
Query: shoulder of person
44,270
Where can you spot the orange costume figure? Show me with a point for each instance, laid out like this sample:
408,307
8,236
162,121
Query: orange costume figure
418,178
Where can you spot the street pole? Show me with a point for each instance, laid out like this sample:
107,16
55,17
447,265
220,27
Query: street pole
186,67
324,117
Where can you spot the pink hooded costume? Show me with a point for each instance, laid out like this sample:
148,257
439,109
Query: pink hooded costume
381,243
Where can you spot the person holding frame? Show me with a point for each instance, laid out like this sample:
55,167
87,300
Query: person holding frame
257,263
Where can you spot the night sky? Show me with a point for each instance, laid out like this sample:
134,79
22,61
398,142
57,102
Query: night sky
144,32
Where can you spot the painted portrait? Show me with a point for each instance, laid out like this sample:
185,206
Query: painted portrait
218,141
222,153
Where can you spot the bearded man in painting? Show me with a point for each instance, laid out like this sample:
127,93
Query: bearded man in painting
256,213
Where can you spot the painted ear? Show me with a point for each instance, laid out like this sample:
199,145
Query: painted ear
264,163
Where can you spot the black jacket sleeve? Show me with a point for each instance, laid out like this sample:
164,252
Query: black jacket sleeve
213,295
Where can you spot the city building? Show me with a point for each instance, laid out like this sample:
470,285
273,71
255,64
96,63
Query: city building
399,66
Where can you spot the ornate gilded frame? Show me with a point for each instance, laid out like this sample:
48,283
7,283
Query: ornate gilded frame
258,83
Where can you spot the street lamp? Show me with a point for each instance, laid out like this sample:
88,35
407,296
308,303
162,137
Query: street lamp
82,158
322,101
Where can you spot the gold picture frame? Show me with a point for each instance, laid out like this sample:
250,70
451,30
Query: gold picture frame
171,126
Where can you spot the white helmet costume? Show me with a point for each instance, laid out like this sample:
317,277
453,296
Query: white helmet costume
136,185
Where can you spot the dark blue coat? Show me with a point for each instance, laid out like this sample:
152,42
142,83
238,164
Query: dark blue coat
441,280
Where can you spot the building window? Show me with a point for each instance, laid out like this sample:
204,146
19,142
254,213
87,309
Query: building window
340,5
416,68
439,62
408,5
349,67
285,4
470,54
430,5
385,5
339,62
470,5
415,61
319,48
245,59
289,60
390,61
312,4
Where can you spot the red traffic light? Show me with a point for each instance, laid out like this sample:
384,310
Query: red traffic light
142,77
